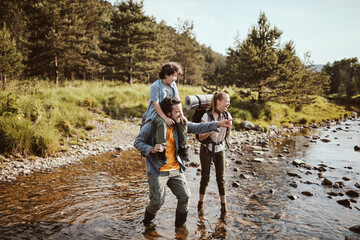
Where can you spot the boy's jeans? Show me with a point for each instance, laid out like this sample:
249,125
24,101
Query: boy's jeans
161,132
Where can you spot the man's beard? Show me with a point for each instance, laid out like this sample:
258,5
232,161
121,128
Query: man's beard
176,120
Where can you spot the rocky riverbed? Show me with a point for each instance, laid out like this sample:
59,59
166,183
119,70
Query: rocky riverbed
118,135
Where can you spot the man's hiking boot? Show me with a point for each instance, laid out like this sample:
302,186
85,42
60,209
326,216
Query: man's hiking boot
148,219
183,153
162,157
180,219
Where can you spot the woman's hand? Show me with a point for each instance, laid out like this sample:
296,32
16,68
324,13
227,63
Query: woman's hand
225,123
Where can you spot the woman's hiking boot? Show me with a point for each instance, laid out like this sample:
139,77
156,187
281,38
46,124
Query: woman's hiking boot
223,209
200,208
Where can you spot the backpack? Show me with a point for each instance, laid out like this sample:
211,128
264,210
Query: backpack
196,118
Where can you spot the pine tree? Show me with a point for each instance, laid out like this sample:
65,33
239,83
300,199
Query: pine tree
257,58
10,57
188,53
129,48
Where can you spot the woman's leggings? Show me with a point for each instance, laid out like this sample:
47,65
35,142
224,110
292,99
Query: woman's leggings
206,157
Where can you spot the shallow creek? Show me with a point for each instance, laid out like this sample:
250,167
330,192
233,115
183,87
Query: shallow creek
104,197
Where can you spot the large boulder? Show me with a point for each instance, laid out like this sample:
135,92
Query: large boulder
247,125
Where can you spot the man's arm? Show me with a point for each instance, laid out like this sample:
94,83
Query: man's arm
205,127
140,142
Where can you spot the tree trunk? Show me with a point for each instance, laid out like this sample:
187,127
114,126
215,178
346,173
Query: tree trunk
56,72
184,76
3,81
130,72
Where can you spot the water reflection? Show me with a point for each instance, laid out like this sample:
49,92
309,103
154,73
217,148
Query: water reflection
104,197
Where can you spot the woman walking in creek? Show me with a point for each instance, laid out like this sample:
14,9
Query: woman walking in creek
213,149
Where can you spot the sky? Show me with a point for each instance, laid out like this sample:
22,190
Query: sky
328,29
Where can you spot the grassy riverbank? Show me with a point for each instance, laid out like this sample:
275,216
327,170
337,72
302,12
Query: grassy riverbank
36,118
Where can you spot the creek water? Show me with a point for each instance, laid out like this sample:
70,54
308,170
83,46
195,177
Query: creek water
104,197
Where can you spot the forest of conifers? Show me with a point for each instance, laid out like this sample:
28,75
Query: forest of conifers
95,40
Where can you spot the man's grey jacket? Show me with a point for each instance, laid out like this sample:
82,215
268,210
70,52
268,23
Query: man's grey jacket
145,141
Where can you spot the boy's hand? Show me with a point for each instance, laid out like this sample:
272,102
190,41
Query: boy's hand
183,120
225,123
169,121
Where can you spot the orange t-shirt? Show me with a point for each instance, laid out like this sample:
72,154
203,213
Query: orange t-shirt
170,153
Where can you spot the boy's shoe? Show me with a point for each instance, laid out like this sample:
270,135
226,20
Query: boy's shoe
183,153
162,157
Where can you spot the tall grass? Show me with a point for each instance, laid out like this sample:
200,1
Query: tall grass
36,117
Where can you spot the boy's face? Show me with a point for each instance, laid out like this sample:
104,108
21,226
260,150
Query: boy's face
169,79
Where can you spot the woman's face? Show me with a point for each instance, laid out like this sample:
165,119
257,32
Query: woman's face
223,104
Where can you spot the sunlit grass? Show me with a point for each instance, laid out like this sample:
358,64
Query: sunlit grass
36,117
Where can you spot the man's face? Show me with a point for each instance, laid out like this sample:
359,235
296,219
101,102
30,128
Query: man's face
175,114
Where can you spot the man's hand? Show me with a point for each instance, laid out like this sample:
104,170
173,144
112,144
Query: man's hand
225,123
157,148
169,121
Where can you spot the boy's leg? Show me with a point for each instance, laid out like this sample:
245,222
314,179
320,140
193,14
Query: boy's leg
160,137
182,132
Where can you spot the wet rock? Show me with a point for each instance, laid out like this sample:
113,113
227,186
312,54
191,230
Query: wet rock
238,162
292,197
344,202
298,162
307,193
258,160
352,193
339,185
327,182
293,184
236,169
286,150
254,196
236,184
346,179
355,229
293,174
357,185
247,125
256,148
334,194
320,169
244,176
278,215
325,140
194,164
357,148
